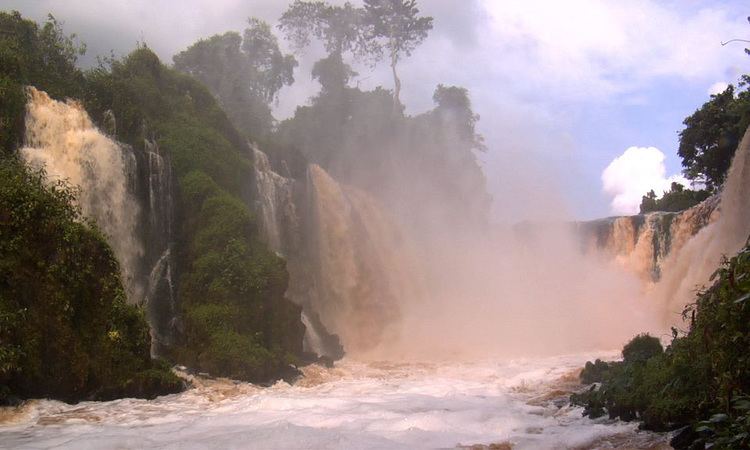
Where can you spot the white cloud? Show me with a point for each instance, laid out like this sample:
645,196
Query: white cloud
718,88
631,175
595,48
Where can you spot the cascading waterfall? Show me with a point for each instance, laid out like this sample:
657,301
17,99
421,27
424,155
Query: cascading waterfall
642,243
690,267
313,341
346,258
276,208
111,179
61,138
675,253
364,271
160,293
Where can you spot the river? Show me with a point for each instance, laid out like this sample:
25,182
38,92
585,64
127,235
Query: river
355,405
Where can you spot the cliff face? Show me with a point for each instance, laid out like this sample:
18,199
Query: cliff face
215,290
676,253
156,166
642,243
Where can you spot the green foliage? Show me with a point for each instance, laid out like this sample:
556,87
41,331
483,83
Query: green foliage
31,55
244,73
341,29
712,134
704,373
364,32
65,329
235,320
399,29
676,199
641,348
594,372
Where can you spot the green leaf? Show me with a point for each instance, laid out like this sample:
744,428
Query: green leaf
743,298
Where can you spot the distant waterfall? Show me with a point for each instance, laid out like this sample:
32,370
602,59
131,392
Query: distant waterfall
642,243
281,223
675,253
61,138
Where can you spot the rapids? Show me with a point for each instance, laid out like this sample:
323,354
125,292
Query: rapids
355,405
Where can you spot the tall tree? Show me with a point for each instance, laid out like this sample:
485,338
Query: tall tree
341,29
397,24
712,133
244,72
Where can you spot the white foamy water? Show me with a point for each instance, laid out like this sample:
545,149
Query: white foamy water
352,406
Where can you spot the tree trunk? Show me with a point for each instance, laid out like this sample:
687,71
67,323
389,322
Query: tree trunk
396,83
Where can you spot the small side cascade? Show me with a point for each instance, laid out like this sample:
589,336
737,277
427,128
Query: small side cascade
275,206
160,294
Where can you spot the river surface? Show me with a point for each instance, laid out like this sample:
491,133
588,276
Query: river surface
355,405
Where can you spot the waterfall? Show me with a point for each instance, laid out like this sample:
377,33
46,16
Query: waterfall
346,257
675,253
642,243
128,194
161,313
364,271
313,341
160,293
690,267
275,206
61,138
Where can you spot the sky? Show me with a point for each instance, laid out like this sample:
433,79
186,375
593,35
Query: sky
580,101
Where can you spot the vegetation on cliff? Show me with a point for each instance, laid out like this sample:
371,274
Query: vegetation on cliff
360,137
702,378
235,320
245,73
66,330
676,199
712,134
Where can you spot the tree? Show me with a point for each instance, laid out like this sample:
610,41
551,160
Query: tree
712,134
454,107
398,25
676,199
42,56
648,202
245,73
339,28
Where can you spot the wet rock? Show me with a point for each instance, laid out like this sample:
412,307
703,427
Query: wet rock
686,439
